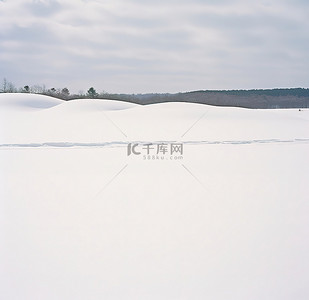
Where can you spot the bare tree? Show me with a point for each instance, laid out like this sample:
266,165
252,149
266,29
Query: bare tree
11,88
37,89
65,93
8,87
4,86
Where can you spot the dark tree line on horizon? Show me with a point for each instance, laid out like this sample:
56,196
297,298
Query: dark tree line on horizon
61,93
254,98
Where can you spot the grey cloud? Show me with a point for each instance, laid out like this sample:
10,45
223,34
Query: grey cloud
30,35
43,9
176,45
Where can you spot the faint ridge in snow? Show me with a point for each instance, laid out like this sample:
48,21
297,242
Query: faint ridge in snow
125,143
88,105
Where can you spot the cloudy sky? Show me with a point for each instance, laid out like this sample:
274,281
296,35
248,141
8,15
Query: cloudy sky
135,46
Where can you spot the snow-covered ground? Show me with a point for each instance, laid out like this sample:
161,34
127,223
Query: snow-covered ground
82,219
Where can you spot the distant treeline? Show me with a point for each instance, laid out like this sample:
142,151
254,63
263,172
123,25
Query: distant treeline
256,98
270,98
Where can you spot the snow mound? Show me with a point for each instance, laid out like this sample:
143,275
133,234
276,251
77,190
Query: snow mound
27,118
26,102
88,105
22,101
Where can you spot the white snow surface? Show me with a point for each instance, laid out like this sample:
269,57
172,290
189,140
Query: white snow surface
80,219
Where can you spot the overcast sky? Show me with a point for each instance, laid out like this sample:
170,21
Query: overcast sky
135,46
